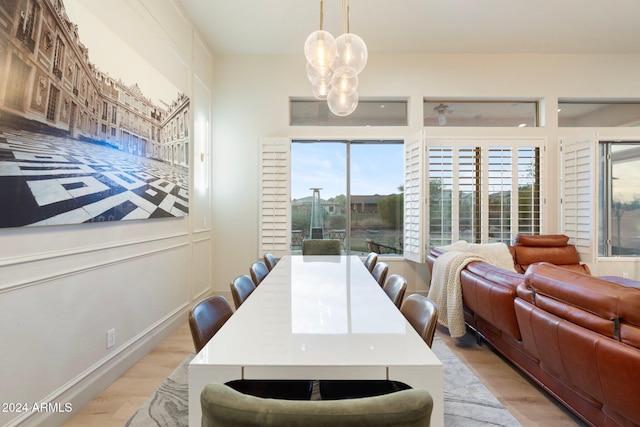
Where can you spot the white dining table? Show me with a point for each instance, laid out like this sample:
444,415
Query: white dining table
317,317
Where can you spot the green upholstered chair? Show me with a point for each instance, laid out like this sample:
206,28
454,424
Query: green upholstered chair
321,247
224,407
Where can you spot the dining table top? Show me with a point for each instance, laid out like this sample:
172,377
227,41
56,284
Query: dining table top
317,311
317,318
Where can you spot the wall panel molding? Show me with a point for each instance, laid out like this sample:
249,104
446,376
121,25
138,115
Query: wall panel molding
83,250
23,280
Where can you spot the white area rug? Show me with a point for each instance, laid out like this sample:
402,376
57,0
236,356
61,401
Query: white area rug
467,402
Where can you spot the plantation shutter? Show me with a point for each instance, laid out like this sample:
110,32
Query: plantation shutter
414,198
275,205
579,172
441,175
482,191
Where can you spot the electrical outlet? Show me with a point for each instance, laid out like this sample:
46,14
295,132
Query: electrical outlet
111,338
625,275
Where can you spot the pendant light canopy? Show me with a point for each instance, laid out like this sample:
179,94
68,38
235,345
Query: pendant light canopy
333,65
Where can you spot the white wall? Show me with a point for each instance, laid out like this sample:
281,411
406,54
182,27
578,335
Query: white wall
251,101
63,287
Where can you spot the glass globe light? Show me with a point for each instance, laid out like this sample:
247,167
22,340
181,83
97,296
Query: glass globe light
320,87
345,79
340,103
351,51
313,73
320,50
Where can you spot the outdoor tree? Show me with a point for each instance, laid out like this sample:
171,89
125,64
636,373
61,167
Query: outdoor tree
391,210
341,201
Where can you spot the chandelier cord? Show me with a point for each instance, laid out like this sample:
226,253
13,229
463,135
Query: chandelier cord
345,16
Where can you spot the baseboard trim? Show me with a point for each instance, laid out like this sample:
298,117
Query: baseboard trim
82,390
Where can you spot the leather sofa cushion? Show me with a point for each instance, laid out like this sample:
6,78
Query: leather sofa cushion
601,369
561,255
620,376
541,241
579,268
588,301
593,294
489,292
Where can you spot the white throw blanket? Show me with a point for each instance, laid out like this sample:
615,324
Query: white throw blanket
494,253
446,290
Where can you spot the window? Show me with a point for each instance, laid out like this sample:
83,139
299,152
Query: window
311,112
58,58
26,26
481,191
480,113
619,200
348,190
370,193
598,114
53,102
76,76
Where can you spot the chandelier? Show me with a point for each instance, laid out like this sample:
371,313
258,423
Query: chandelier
333,65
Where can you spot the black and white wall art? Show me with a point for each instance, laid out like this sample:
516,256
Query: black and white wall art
89,131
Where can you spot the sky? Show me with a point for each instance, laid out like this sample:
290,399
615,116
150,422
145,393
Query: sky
112,55
375,169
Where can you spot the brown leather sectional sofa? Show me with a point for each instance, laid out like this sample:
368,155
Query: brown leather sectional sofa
576,335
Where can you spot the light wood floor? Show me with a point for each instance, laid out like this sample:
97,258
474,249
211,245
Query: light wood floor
527,403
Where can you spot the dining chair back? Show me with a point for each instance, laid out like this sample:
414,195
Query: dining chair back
321,247
206,318
241,288
379,272
395,287
258,271
270,261
422,314
223,406
370,261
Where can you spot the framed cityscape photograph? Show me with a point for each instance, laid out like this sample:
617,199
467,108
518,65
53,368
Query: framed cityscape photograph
89,131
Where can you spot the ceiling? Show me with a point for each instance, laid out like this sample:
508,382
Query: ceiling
423,26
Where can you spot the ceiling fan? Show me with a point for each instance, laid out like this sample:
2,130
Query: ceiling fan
442,110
